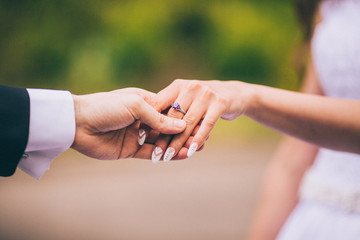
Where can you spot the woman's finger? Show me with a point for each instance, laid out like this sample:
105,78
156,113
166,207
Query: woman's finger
192,118
145,152
143,133
130,146
162,142
152,137
190,140
210,119
166,97
181,155
196,129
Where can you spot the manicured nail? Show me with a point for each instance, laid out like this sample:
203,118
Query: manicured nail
156,155
179,123
192,149
141,137
169,154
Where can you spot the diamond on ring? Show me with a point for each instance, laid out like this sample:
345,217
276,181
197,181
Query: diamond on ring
177,107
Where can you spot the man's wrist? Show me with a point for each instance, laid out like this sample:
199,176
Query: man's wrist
51,129
78,118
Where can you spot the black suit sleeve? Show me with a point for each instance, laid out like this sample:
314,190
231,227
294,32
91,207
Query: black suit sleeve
14,127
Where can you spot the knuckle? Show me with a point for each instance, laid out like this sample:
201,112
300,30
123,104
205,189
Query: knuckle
136,101
220,99
160,125
162,118
210,123
178,81
222,102
194,86
208,92
156,104
190,120
135,105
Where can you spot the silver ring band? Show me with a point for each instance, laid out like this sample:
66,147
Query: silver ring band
177,107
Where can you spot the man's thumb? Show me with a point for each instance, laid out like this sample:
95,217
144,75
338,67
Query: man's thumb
160,122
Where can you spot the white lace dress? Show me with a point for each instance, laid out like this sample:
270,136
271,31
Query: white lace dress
329,206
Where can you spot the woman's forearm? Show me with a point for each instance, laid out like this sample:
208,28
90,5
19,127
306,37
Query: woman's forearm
323,121
279,191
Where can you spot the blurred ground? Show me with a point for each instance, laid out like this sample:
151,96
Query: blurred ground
210,196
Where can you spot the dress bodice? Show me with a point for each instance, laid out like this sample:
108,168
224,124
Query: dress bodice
336,48
336,56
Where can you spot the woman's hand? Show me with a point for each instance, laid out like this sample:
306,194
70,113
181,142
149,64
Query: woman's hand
311,118
107,124
204,101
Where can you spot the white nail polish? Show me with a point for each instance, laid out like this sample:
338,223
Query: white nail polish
156,155
169,154
141,137
192,149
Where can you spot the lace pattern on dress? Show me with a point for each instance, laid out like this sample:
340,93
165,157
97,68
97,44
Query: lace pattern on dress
315,189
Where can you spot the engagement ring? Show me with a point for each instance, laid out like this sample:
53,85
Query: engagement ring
177,107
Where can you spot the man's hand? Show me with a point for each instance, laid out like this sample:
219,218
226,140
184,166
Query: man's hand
107,124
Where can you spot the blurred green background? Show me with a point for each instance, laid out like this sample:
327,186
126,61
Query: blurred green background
88,46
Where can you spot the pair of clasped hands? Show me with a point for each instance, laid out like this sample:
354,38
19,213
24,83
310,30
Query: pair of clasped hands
135,123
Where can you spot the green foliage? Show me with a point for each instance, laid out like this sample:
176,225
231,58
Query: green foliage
87,46
134,60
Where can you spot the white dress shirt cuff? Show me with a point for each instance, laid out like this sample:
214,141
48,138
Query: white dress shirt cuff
51,130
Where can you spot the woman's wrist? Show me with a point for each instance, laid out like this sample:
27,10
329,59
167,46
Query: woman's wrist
251,98
242,98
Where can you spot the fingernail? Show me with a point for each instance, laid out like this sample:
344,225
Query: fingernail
179,123
141,137
192,149
156,155
169,154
